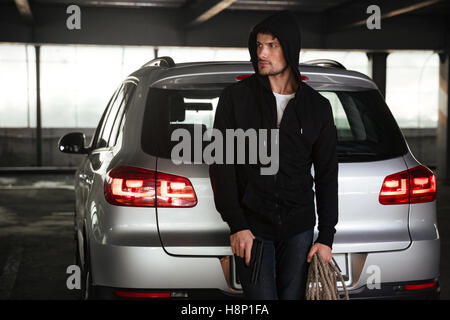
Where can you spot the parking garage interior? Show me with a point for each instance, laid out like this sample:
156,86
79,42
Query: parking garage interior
60,61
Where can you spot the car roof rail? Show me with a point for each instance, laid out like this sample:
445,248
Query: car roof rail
160,62
325,63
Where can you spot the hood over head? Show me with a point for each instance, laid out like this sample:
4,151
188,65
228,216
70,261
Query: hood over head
285,27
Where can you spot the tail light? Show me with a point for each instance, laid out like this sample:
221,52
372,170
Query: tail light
129,294
395,189
422,184
421,286
174,191
131,186
242,76
414,185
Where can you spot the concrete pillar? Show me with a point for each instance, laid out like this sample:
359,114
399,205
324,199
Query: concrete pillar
443,130
38,108
377,69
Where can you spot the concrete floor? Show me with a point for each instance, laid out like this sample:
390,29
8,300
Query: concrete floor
36,236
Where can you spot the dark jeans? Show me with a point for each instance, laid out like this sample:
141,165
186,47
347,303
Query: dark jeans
283,269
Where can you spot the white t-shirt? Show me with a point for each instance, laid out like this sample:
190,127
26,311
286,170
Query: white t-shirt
282,101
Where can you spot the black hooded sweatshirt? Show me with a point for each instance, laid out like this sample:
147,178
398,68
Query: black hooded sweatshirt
279,206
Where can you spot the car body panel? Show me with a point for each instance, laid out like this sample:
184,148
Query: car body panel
152,267
227,73
420,261
361,228
422,218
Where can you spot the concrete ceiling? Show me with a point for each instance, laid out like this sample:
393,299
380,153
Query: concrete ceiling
257,5
326,24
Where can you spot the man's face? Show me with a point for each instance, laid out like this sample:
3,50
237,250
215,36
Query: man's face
271,59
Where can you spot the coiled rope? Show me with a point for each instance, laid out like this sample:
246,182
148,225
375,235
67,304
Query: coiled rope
321,283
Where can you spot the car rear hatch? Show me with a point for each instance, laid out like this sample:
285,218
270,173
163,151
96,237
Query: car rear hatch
370,147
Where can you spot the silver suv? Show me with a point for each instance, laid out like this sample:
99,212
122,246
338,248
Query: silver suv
146,227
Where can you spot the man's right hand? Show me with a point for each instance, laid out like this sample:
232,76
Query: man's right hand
241,244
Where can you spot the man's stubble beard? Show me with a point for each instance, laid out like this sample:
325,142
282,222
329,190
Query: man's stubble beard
274,73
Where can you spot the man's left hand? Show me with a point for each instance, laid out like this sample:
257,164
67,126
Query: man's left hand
323,250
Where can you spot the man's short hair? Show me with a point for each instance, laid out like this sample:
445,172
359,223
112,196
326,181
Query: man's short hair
265,30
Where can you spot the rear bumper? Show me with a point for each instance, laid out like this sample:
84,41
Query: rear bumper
109,293
151,268
396,291
387,291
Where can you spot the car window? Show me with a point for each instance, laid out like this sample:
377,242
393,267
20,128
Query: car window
340,117
127,93
365,126
103,138
101,123
100,141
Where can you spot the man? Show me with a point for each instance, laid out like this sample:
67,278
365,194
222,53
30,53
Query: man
279,208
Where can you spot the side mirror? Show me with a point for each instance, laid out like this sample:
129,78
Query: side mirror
73,143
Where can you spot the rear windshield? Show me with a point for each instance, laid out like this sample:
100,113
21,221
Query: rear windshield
365,126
